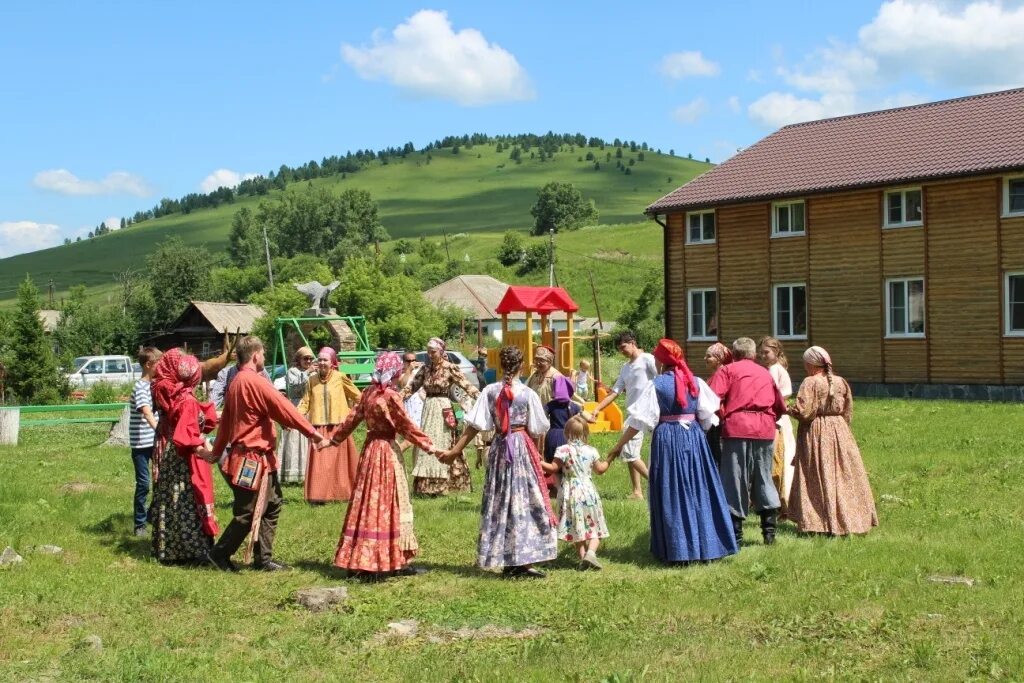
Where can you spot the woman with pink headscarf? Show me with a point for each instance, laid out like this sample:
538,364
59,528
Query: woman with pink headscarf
330,471
831,493
377,536
438,378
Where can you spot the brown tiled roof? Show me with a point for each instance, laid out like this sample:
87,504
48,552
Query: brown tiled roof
965,136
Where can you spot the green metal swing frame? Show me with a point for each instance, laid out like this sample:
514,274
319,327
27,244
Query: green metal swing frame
356,364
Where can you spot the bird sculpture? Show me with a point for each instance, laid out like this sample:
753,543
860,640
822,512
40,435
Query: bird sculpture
317,293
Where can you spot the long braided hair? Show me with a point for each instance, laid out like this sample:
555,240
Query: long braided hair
818,356
511,361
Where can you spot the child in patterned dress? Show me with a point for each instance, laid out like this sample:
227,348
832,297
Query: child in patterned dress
582,516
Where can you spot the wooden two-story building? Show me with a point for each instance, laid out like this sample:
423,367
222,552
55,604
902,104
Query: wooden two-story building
895,239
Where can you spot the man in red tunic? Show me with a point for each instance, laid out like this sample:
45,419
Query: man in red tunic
751,407
251,406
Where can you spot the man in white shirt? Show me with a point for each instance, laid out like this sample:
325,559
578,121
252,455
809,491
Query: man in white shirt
638,371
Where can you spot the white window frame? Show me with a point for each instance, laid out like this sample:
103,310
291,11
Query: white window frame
889,332
775,218
1007,330
701,213
902,191
775,317
1006,196
691,336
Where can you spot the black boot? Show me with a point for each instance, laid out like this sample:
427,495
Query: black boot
737,529
768,521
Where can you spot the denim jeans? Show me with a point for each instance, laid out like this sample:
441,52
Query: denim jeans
141,458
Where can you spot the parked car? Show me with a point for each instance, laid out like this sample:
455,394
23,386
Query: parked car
89,370
468,369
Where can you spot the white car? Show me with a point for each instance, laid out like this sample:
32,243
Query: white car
468,369
89,370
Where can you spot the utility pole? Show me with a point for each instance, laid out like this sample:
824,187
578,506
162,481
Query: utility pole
551,257
446,252
50,286
266,247
597,334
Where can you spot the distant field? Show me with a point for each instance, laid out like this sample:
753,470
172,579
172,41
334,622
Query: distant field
475,191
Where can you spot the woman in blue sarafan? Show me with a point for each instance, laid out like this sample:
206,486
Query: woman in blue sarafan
690,519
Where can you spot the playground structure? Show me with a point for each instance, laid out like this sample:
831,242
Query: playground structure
356,358
542,302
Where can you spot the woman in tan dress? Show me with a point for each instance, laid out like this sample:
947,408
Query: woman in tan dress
431,477
831,493
330,393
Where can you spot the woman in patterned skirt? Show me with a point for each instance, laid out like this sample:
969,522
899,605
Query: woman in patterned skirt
377,536
438,377
182,515
293,446
831,493
517,526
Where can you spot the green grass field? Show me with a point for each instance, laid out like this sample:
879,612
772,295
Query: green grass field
475,191
946,477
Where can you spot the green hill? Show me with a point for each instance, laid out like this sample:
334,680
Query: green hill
478,190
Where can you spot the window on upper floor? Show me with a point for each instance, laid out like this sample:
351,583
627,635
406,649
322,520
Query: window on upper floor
1014,312
1013,196
700,227
788,219
703,314
789,310
904,304
903,208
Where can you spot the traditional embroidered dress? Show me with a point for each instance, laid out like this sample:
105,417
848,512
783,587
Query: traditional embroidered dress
332,470
517,526
582,515
689,513
293,446
430,475
182,512
831,492
377,535
785,443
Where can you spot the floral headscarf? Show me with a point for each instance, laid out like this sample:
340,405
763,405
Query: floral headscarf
175,376
389,365
720,352
437,344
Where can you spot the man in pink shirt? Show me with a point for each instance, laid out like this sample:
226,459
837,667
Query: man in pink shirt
751,407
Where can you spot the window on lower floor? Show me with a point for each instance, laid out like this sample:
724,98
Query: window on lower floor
903,208
904,303
703,314
789,302
1014,313
1013,196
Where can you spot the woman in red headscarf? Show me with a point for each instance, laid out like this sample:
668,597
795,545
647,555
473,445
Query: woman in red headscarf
377,536
689,515
329,395
184,526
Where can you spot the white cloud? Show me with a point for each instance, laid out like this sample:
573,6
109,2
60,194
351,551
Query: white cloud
425,57
734,104
19,237
691,111
64,181
685,64
777,109
113,223
223,177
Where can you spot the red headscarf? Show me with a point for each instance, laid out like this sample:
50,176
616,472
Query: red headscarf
388,366
669,354
174,378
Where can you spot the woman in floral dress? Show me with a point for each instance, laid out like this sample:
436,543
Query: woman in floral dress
831,493
184,525
377,536
432,477
293,446
517,526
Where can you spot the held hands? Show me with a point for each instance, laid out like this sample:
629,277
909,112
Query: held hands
323,442
204,453
613,453
589,416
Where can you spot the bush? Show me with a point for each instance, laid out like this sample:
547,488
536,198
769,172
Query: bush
511,250
104,392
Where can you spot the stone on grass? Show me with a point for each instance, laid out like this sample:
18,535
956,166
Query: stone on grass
9,557
322,598
407,628
77,487
48,549
93,642
953,580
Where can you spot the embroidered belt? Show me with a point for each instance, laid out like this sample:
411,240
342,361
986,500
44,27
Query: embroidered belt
688,417
437,394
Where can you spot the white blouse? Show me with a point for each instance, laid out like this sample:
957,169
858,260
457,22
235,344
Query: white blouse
645,414
525,410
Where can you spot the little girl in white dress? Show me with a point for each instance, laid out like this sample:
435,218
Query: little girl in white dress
582,516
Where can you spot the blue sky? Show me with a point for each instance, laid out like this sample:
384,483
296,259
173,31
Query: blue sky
109,106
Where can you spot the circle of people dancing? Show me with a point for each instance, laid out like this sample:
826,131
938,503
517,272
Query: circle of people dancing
720,449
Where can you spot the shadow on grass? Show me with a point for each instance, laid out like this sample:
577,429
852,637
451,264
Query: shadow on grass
110,535
329,571
637,552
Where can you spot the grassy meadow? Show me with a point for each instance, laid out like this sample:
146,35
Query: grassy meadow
946,477
476,191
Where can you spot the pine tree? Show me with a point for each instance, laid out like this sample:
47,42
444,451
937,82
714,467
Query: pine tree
34,376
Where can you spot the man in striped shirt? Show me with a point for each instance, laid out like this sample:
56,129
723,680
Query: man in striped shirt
142,433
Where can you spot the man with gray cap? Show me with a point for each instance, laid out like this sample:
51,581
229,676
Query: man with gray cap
751,407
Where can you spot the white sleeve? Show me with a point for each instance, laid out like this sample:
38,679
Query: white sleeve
708,404
479,417
784,382
652,367
645,413
537,423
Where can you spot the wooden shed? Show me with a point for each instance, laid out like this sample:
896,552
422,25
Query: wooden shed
202,324
895,239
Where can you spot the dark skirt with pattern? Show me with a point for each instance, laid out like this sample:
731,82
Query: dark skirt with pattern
689,514
178,535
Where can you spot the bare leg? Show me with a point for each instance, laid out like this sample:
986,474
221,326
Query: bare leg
581,548
637,473
592,545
